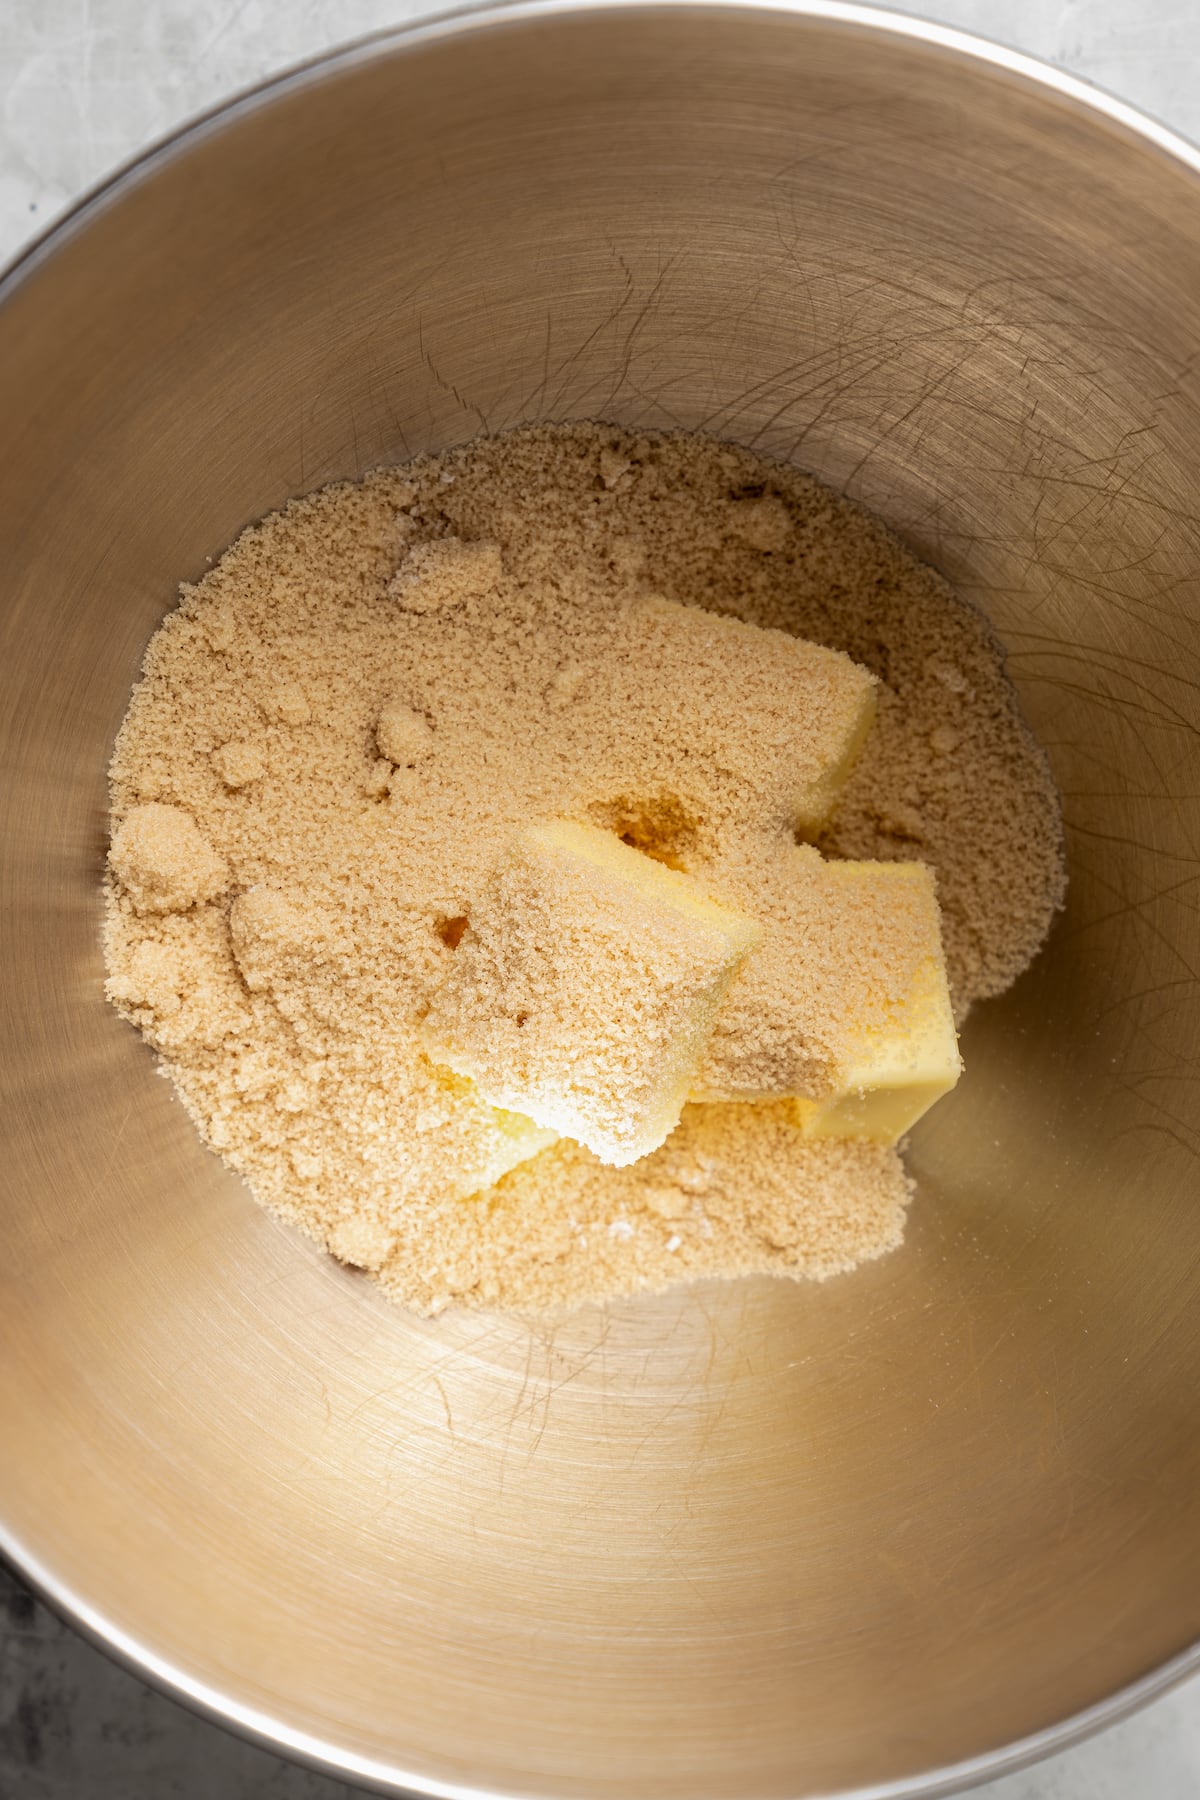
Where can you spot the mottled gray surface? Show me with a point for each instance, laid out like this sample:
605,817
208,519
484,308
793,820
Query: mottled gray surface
74,1726
83,85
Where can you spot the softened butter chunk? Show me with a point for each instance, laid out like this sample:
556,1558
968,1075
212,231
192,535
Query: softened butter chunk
785,718
584,990
903,1056
845,1007
499,1142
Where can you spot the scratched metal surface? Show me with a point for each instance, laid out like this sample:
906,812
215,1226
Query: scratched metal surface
747,1540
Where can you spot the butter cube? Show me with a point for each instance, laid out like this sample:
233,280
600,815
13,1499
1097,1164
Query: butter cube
901,1053
845,1006
489,1142
584,990
781,718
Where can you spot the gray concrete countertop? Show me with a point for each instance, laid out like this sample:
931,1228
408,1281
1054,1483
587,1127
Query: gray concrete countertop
83,85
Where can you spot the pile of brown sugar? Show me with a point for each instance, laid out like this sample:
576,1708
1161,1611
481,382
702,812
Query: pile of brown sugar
344,723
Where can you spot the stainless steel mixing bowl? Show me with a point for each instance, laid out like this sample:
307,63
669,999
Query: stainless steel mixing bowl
752,1540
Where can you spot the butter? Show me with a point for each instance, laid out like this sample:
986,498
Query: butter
782,718
584,990
844,1006
499,1142
904,1057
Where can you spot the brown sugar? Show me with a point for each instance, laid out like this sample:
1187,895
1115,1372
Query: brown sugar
163,861
375,691
736,1190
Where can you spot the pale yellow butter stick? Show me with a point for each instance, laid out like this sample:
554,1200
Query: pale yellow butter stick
845,1005
901,1055
584,990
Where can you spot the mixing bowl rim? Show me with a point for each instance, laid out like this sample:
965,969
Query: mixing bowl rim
474,14
124,1647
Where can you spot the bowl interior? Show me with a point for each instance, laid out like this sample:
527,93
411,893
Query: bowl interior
749,1539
